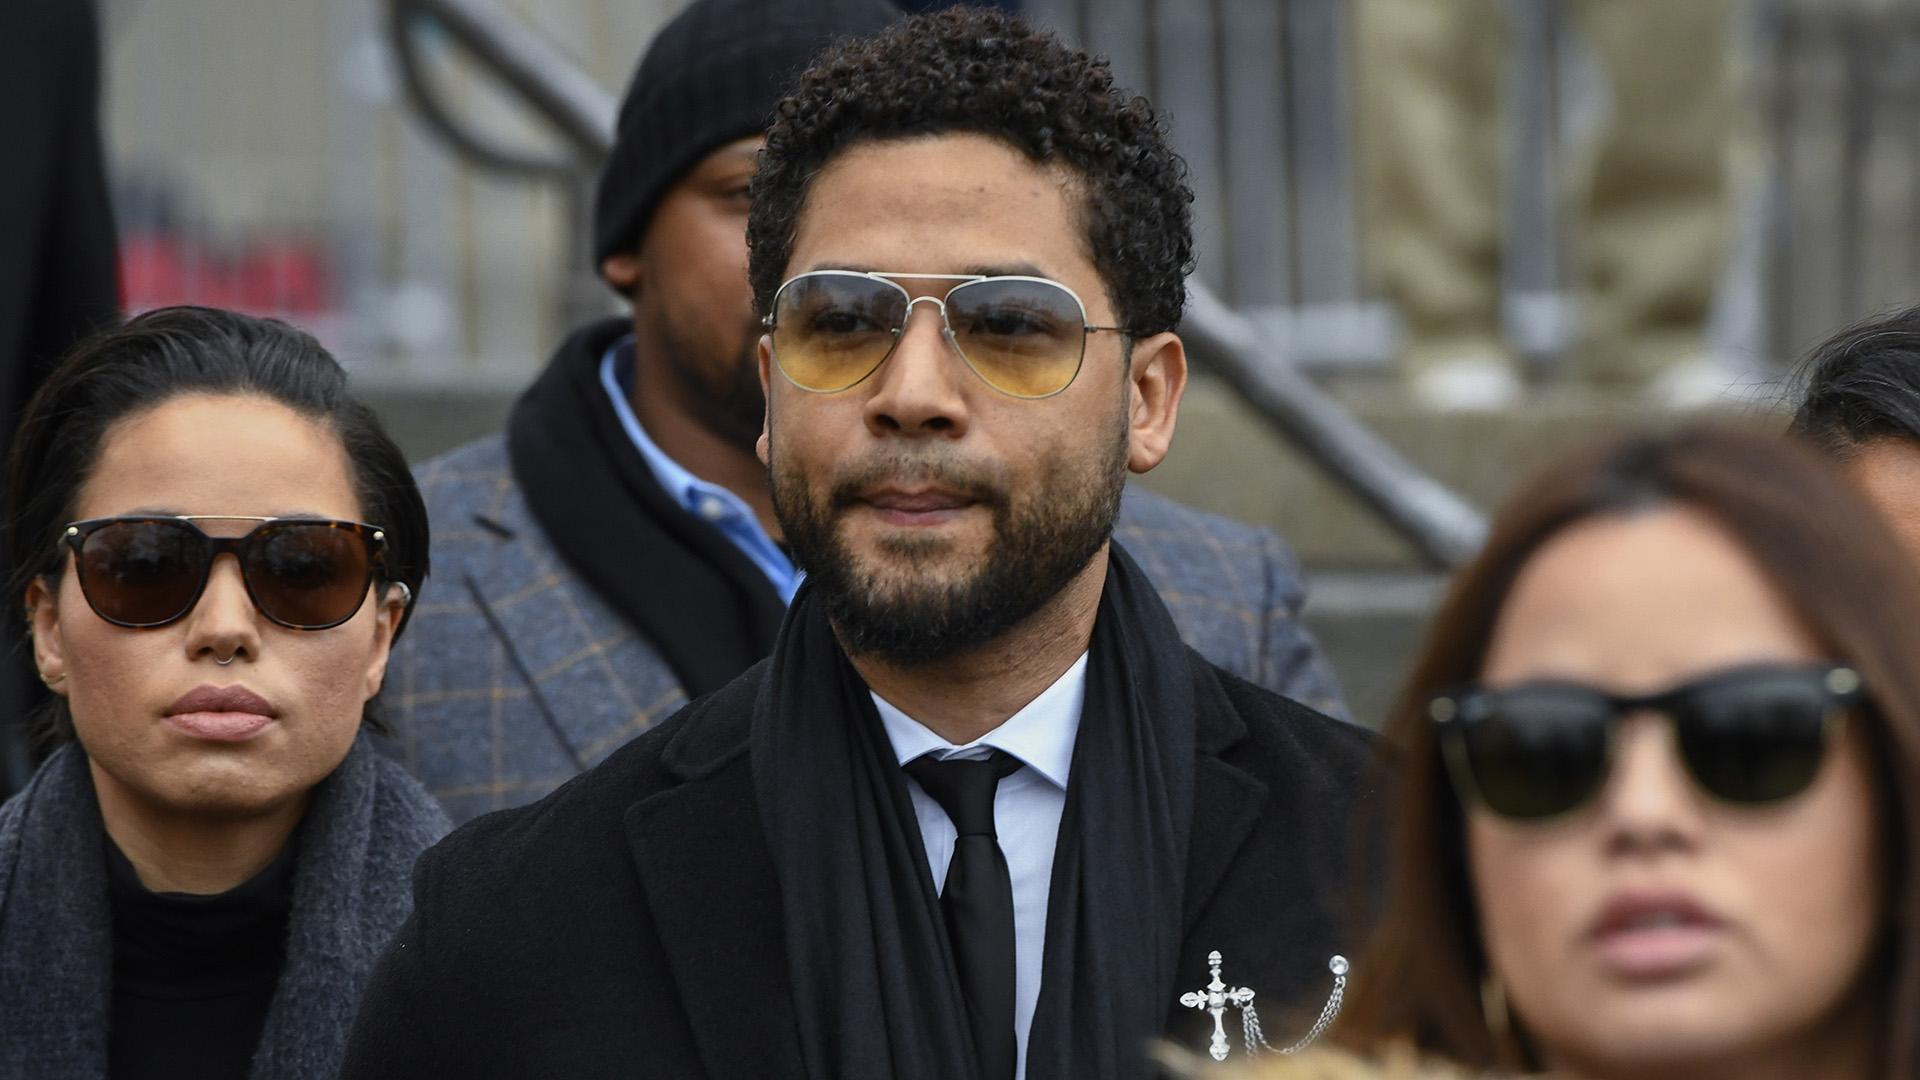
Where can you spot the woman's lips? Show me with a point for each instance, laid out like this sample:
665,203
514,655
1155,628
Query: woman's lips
221,713
1654,936
219,726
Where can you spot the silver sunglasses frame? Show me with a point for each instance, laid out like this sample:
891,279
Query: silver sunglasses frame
890,277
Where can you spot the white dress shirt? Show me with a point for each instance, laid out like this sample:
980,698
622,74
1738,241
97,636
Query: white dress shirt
1026,814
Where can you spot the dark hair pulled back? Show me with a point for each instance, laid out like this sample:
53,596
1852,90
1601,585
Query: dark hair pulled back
164,354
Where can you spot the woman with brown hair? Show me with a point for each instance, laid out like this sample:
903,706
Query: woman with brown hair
1659,782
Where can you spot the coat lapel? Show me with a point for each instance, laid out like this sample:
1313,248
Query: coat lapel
1227,800
1266,879
592,680
709,879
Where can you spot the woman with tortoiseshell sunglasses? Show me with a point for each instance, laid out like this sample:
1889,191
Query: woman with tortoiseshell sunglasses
214,546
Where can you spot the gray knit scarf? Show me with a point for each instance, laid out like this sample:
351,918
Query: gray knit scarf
367,823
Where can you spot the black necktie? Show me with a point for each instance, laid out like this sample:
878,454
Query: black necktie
977,900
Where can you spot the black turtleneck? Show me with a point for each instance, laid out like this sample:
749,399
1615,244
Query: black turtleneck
193,975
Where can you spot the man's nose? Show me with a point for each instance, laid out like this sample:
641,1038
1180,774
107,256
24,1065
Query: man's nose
922,387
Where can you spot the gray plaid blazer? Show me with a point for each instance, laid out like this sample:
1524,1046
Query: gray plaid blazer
514,675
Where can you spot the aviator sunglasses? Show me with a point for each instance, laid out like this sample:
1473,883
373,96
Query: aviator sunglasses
1024,336
1749,736
302,573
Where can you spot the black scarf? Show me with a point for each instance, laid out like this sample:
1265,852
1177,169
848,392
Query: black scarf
872,972
687,589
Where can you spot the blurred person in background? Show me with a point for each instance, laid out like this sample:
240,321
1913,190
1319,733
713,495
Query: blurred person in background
1860,402
615,553
1660,782
57,277
1650,221
215,547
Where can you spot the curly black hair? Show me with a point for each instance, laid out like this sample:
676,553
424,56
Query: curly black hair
984,71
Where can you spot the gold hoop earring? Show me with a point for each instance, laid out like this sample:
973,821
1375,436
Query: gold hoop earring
1493,1007
53,680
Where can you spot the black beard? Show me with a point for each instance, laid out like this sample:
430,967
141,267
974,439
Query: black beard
725,400
1038,546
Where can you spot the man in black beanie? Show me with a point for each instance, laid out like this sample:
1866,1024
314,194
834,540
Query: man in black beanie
615,553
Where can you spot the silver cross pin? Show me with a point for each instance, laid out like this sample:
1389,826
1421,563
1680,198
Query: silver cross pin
1214,1000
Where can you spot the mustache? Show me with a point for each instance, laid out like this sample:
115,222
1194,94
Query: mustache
981,484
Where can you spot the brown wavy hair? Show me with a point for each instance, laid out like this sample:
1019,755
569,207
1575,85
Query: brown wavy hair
1825,551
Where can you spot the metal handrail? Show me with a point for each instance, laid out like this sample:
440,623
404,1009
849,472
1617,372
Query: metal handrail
549,80
1444,528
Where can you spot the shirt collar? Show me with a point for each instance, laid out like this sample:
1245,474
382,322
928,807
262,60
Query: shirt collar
1041,734
725,511
615,367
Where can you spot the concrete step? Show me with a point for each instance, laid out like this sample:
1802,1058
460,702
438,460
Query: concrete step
1371,623
1225,459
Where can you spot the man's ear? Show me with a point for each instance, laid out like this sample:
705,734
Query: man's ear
1156,377
43,621
622,271
764,350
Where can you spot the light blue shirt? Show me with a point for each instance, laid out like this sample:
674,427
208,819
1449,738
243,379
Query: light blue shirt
711,503
1026,813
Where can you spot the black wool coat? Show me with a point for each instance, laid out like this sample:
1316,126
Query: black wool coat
630,924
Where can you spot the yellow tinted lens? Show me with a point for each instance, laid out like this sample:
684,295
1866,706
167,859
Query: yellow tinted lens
830,330
1023,337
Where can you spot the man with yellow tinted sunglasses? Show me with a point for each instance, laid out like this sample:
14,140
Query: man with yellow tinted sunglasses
616,553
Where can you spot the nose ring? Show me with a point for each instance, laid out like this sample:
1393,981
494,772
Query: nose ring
228,660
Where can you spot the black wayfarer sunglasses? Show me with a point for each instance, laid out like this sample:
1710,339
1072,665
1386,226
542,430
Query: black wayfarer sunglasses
1751,735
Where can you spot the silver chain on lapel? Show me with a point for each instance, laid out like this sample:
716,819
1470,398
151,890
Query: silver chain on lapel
1257,1039
1218,997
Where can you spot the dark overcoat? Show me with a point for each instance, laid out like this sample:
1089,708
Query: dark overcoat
630,923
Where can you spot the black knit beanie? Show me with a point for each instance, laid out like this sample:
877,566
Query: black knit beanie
711,76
